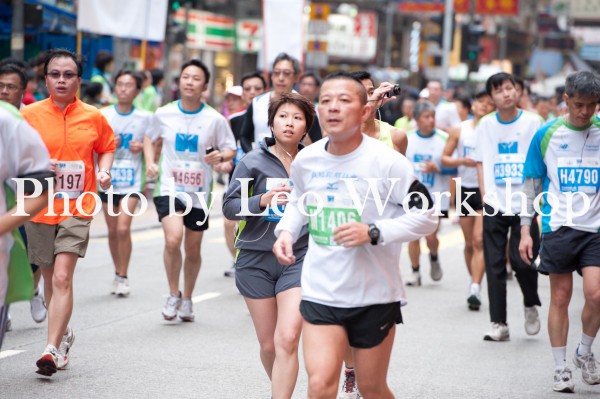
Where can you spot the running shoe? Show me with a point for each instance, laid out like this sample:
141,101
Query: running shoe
186,310
173,304
230,272
114,285
38,307
414,279
123,287
8,322
474,301
349,389
47,364
436,270
563,381
63,349
589,367
532,320
499,332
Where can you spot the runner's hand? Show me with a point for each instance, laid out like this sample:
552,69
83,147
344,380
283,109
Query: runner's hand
135,146
152,170
213,158
431,167
267,198
469,162
283,249
103,180
53,163
526,246
352,234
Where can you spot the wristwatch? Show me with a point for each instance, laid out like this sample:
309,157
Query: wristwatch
374,234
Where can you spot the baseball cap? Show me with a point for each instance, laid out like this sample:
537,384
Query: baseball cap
235,90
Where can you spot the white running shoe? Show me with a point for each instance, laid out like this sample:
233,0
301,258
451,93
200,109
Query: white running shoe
499,332
123,287
589,367
173,304
186,310
414,279
436,272
115,284
532,320
66,342
349,389
563,381
48,362
38,307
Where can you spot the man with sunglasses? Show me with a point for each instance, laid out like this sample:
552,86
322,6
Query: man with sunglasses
74,133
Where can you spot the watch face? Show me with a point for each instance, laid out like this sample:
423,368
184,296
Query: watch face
374,233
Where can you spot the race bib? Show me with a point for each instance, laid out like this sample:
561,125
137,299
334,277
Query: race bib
509,166
274,182
70,178
321,225
428,179
188,175
580,175
123,174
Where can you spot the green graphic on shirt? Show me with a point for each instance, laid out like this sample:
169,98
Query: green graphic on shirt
322,224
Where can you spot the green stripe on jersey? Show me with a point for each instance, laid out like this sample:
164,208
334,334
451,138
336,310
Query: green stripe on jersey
548,135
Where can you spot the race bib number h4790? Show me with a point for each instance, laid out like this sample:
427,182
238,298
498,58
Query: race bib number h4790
578,175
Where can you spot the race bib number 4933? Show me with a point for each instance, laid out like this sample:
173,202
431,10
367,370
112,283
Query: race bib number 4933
576,174
321,225
70,178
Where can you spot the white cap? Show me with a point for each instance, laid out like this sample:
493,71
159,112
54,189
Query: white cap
235,90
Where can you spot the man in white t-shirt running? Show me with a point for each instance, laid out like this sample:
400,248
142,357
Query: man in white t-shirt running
351,285
563,162
503,139
195,137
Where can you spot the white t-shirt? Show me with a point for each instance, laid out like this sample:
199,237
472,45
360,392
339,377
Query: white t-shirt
128,169
446,115
423,148
465,149
186,135
501,147
22,152
567,159
336,276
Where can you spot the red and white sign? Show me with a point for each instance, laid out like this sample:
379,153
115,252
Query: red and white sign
248,35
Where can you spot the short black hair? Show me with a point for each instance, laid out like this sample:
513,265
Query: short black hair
197,63
312,75
361,75
497,80
157,76
103,58
63,53
9,68
133,74
254,75
480,94
348,76
464,100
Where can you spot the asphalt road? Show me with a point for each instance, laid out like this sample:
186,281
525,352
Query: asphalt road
124,348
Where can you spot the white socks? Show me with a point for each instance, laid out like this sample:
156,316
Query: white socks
585,346
560,357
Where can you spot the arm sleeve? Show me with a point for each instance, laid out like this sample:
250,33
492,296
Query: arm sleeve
531,188
232,203
414,223
247,131
293,219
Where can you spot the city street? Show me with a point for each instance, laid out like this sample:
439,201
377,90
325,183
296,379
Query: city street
124,348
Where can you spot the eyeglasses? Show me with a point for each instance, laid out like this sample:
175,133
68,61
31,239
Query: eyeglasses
285,73
8,87
66,75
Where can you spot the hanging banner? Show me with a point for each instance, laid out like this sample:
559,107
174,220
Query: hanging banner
208,31
132,19
283,29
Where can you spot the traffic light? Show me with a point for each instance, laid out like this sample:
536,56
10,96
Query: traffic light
470,46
